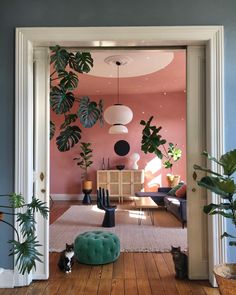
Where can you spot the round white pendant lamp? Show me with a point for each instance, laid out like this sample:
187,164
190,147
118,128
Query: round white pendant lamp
118,114
118,129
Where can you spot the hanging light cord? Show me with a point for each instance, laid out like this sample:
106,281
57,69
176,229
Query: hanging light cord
118,81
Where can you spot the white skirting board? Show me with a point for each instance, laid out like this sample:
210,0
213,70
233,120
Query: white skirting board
6,278
70,197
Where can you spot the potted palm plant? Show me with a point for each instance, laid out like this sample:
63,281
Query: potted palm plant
222,184
25,250
152,142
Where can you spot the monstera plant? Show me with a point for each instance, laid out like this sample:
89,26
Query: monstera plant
25,250
152,142
63,81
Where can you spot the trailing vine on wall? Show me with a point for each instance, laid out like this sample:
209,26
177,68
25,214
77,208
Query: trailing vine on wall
63,80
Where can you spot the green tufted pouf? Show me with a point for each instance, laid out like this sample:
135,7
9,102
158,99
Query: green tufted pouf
97,247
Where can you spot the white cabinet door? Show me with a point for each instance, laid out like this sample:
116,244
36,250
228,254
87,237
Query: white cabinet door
109,179
132,181
102,179
126,181
114,183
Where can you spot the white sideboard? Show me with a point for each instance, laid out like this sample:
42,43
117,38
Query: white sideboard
121,183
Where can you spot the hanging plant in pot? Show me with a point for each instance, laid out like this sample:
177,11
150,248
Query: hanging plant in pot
84,161
152,142
222,184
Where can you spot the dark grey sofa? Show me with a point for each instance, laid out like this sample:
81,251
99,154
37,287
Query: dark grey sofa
177,206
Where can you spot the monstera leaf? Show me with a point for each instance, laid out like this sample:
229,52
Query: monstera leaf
52,129
83,61
26,253
88,112
68,120
59,57
61,101
69,80
26,222
38,206
68,138
16,200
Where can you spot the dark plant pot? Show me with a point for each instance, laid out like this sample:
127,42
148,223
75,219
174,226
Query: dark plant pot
226,278
120,167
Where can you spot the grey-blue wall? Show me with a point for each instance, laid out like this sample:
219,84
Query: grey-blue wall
40,13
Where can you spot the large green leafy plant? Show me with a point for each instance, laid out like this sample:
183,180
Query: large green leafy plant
152,142
84,160
223,185
25,250
63,81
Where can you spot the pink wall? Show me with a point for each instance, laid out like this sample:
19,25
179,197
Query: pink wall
169,111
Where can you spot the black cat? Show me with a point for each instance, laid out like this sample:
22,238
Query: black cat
181,263
66,259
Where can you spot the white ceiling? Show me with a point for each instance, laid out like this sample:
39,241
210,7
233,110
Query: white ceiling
133,62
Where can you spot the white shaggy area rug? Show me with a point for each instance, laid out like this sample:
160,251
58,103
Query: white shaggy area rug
133,237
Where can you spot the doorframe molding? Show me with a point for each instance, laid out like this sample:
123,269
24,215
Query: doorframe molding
29,38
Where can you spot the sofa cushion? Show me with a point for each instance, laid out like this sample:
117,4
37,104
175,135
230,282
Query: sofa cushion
164,189
181,192
172,200
174,189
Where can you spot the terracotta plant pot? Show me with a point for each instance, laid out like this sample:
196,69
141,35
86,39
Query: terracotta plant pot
226,278
173,180
87,185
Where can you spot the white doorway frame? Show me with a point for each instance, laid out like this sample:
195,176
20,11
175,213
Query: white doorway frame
27,39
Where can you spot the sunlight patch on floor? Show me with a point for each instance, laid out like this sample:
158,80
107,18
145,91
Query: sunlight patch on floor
96,209
137,214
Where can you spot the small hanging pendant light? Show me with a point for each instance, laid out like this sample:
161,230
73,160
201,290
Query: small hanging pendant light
118,115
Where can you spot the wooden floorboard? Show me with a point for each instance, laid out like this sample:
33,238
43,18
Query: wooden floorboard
131,274
104,287
129,266
131,287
